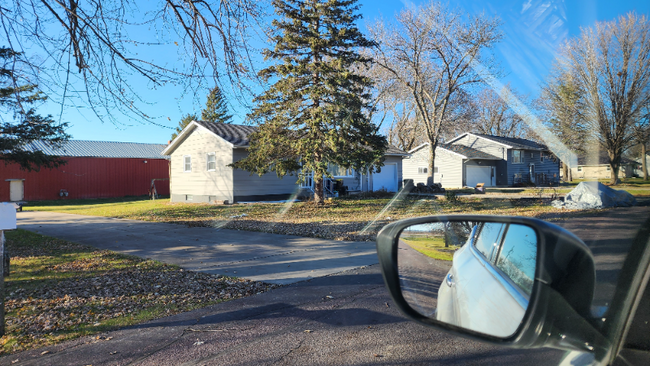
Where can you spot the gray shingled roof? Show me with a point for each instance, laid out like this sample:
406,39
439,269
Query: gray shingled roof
238,135
469,152
235,134
101,149
516,143
392,150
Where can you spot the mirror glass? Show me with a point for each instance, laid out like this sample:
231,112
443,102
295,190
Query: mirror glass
471,274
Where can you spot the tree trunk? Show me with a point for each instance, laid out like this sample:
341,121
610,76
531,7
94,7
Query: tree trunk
565,172
644,161
613,180
318,189
432,165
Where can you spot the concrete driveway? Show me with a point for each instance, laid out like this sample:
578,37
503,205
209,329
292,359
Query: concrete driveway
272,258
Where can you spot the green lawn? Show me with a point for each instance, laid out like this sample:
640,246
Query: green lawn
58,290
433,247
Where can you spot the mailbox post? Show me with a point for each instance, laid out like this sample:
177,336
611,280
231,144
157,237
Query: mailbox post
7,222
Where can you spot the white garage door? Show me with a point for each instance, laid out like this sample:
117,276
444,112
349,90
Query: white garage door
386,179
479,174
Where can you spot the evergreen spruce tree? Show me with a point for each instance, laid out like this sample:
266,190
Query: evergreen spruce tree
216,108
16,99
186,120
317,111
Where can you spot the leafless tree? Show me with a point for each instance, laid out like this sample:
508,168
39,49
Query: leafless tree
93,52
562,103
494,116
429,52
611,65
641,133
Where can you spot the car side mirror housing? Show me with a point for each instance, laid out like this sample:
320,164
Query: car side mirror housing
513,281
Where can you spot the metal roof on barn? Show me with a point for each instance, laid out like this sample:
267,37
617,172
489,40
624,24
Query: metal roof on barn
101,149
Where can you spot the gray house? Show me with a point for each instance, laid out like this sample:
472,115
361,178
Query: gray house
470,159
199,171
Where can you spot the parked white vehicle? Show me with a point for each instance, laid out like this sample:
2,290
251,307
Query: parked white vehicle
489,285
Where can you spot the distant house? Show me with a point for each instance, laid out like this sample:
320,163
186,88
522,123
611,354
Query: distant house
201,153
596,166
94,169
470,159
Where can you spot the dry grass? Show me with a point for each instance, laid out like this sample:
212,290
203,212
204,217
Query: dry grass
58,290
350,218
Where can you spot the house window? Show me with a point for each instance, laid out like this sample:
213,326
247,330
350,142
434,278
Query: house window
337,171
517,156
531,155
187,163
423,170
541,157
435,169
609,168
579,168
212,162
189,197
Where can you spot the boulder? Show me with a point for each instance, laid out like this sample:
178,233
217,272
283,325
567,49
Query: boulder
588,195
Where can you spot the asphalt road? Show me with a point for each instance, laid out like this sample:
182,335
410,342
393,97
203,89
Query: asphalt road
342,319
280,259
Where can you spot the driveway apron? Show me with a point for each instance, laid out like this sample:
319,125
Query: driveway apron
271,258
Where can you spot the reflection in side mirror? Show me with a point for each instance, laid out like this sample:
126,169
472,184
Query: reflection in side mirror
476,275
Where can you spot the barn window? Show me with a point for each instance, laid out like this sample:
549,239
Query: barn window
212,162
423,170
517,156
187,163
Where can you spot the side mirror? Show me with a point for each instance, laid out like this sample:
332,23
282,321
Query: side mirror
508,280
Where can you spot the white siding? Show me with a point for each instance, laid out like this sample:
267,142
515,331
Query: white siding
411,163
247,185
450,169
200,183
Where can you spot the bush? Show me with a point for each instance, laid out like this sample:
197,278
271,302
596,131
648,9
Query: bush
451,196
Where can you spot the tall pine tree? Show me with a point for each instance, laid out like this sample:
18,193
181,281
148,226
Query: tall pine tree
216,108
316,112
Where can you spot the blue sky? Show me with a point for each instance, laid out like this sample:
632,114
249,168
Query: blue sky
533,30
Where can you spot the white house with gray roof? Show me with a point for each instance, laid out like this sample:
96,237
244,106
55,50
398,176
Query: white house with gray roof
475,158
201,153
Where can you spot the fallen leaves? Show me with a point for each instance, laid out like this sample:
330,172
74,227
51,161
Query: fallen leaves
73,290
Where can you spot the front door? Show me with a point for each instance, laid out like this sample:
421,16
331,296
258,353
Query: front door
16,191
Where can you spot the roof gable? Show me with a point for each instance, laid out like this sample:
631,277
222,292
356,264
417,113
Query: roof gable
100,149
461,150
508,142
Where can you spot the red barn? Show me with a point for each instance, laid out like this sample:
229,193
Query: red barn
94,169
